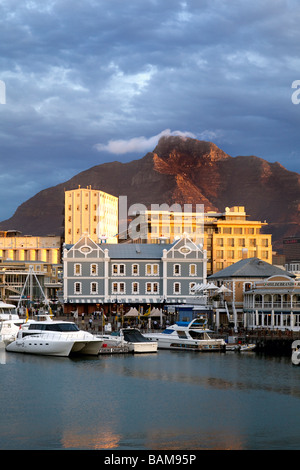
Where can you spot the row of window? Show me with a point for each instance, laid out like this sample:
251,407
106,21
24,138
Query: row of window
241,242
231,254
119,269
120,288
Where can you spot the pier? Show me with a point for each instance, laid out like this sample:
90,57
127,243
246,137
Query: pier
273,341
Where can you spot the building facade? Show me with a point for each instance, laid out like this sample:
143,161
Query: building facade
15,247
92,212
137,274
238,279
13,275
227,236
273,303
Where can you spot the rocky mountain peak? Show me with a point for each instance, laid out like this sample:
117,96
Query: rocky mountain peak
179,170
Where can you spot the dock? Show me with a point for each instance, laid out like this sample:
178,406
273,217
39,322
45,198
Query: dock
114,350
273,341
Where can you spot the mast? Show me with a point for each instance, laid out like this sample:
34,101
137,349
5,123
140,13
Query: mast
29,278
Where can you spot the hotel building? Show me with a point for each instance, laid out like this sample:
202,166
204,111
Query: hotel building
227,237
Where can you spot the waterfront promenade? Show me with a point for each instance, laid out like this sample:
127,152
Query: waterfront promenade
266,340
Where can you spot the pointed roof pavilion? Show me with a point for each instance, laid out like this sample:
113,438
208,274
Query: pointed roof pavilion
250,267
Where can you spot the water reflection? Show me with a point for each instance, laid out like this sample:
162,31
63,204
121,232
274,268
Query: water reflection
164,401
101,440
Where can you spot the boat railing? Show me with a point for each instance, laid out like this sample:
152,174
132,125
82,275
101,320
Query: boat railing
57,336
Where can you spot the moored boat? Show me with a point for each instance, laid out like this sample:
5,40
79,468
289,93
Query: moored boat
296,352
10,322
54,338
132,338
187,336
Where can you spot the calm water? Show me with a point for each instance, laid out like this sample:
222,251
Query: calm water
170,400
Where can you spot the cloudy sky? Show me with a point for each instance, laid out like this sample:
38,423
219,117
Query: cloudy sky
92,81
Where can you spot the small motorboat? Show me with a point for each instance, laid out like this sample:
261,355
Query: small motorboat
131,338
53,338
296,352
236,343
240,347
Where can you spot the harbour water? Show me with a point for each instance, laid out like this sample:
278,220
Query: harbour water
165,401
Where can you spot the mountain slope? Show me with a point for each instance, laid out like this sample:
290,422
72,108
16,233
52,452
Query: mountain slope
179,170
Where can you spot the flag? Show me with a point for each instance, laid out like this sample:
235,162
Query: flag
148,313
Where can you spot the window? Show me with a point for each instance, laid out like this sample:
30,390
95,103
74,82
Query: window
135,269
193,270
118,288
176,270
77,288
94,269
152,288
121,287
94,287
77,269
191,286
115,288
135,288
176,288
151,269
118,269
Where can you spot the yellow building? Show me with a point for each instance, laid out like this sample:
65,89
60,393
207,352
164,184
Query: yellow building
16,247
230,237
92,212
226,236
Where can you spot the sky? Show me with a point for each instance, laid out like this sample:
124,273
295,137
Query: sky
93,81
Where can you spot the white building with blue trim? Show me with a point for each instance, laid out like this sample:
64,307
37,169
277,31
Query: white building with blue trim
138,274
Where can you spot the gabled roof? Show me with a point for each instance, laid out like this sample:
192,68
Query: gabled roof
250,267
135,250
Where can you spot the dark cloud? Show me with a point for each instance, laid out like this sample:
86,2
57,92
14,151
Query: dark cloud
86,80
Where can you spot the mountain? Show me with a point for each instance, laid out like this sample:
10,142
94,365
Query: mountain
179,170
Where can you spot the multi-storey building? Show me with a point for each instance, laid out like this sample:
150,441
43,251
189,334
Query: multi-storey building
93,212
273,303
15,247
250,276
227,237
13,275
139,274
230,237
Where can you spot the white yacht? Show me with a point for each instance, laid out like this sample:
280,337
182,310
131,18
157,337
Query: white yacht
131,338
54,338
10,322
8,311
187,336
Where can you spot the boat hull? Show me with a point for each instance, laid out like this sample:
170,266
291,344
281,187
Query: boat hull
40,347
201,346
44,347
146,347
